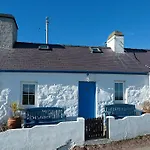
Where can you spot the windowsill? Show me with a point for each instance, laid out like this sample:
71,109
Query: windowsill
28,106
118,101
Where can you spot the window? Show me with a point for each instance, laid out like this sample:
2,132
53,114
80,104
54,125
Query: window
119,94
96,50
28,94
44,47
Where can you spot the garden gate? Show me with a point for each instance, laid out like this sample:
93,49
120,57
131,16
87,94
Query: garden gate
94,128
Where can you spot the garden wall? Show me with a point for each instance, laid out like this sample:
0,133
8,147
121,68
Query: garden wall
128,127
46,137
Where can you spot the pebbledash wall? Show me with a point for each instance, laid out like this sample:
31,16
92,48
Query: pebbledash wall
61,89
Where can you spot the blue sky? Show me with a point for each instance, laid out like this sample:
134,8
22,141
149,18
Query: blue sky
81,22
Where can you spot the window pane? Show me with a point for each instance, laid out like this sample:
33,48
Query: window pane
31,89
121,87
116,87
120,96
25,100
31,99
25,88
116,96
121,91
118,91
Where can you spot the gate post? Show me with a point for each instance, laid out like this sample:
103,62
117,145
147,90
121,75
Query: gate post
108,120
107,127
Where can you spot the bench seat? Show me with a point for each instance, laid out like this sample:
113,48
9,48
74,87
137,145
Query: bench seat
43,116
120,111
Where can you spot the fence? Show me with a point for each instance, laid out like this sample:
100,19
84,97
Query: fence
128,127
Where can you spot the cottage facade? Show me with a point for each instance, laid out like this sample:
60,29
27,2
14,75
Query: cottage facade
80,79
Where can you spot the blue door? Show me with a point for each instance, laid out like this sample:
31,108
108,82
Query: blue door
87,99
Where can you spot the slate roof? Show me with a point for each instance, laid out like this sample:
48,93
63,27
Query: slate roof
27,56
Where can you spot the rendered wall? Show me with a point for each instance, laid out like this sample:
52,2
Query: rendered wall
46,137
128,127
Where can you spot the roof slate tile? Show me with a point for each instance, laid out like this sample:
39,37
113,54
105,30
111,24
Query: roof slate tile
27,56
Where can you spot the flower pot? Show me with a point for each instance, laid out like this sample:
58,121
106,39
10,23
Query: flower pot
14,122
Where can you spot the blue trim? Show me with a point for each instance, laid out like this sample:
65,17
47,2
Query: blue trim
88,72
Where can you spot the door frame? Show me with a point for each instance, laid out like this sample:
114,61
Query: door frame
95,112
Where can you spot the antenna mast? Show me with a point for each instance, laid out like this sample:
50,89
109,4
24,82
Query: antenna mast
47,23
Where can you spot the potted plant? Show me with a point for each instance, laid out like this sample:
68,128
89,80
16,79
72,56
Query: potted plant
14,121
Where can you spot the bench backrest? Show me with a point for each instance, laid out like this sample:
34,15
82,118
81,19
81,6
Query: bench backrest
44,113
120,110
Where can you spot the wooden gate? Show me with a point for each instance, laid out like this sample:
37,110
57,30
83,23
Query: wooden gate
94,128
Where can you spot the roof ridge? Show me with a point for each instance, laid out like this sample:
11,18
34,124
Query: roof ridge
67,45
136,48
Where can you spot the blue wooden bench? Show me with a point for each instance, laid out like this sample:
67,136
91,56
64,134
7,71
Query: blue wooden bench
43,115
120,110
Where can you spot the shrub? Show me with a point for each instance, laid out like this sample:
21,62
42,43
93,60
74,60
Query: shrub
3,127
146,106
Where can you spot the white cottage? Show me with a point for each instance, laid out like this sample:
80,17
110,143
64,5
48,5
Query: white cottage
81,79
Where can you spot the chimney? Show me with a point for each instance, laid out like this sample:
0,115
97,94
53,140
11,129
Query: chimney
116,42
8,31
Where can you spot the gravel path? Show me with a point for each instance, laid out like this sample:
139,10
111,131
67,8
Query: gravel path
143,148
139,143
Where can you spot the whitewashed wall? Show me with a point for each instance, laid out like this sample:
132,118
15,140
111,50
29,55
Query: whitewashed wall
46,137
61,89
105,88
5,110
128,127
137,95
116,43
